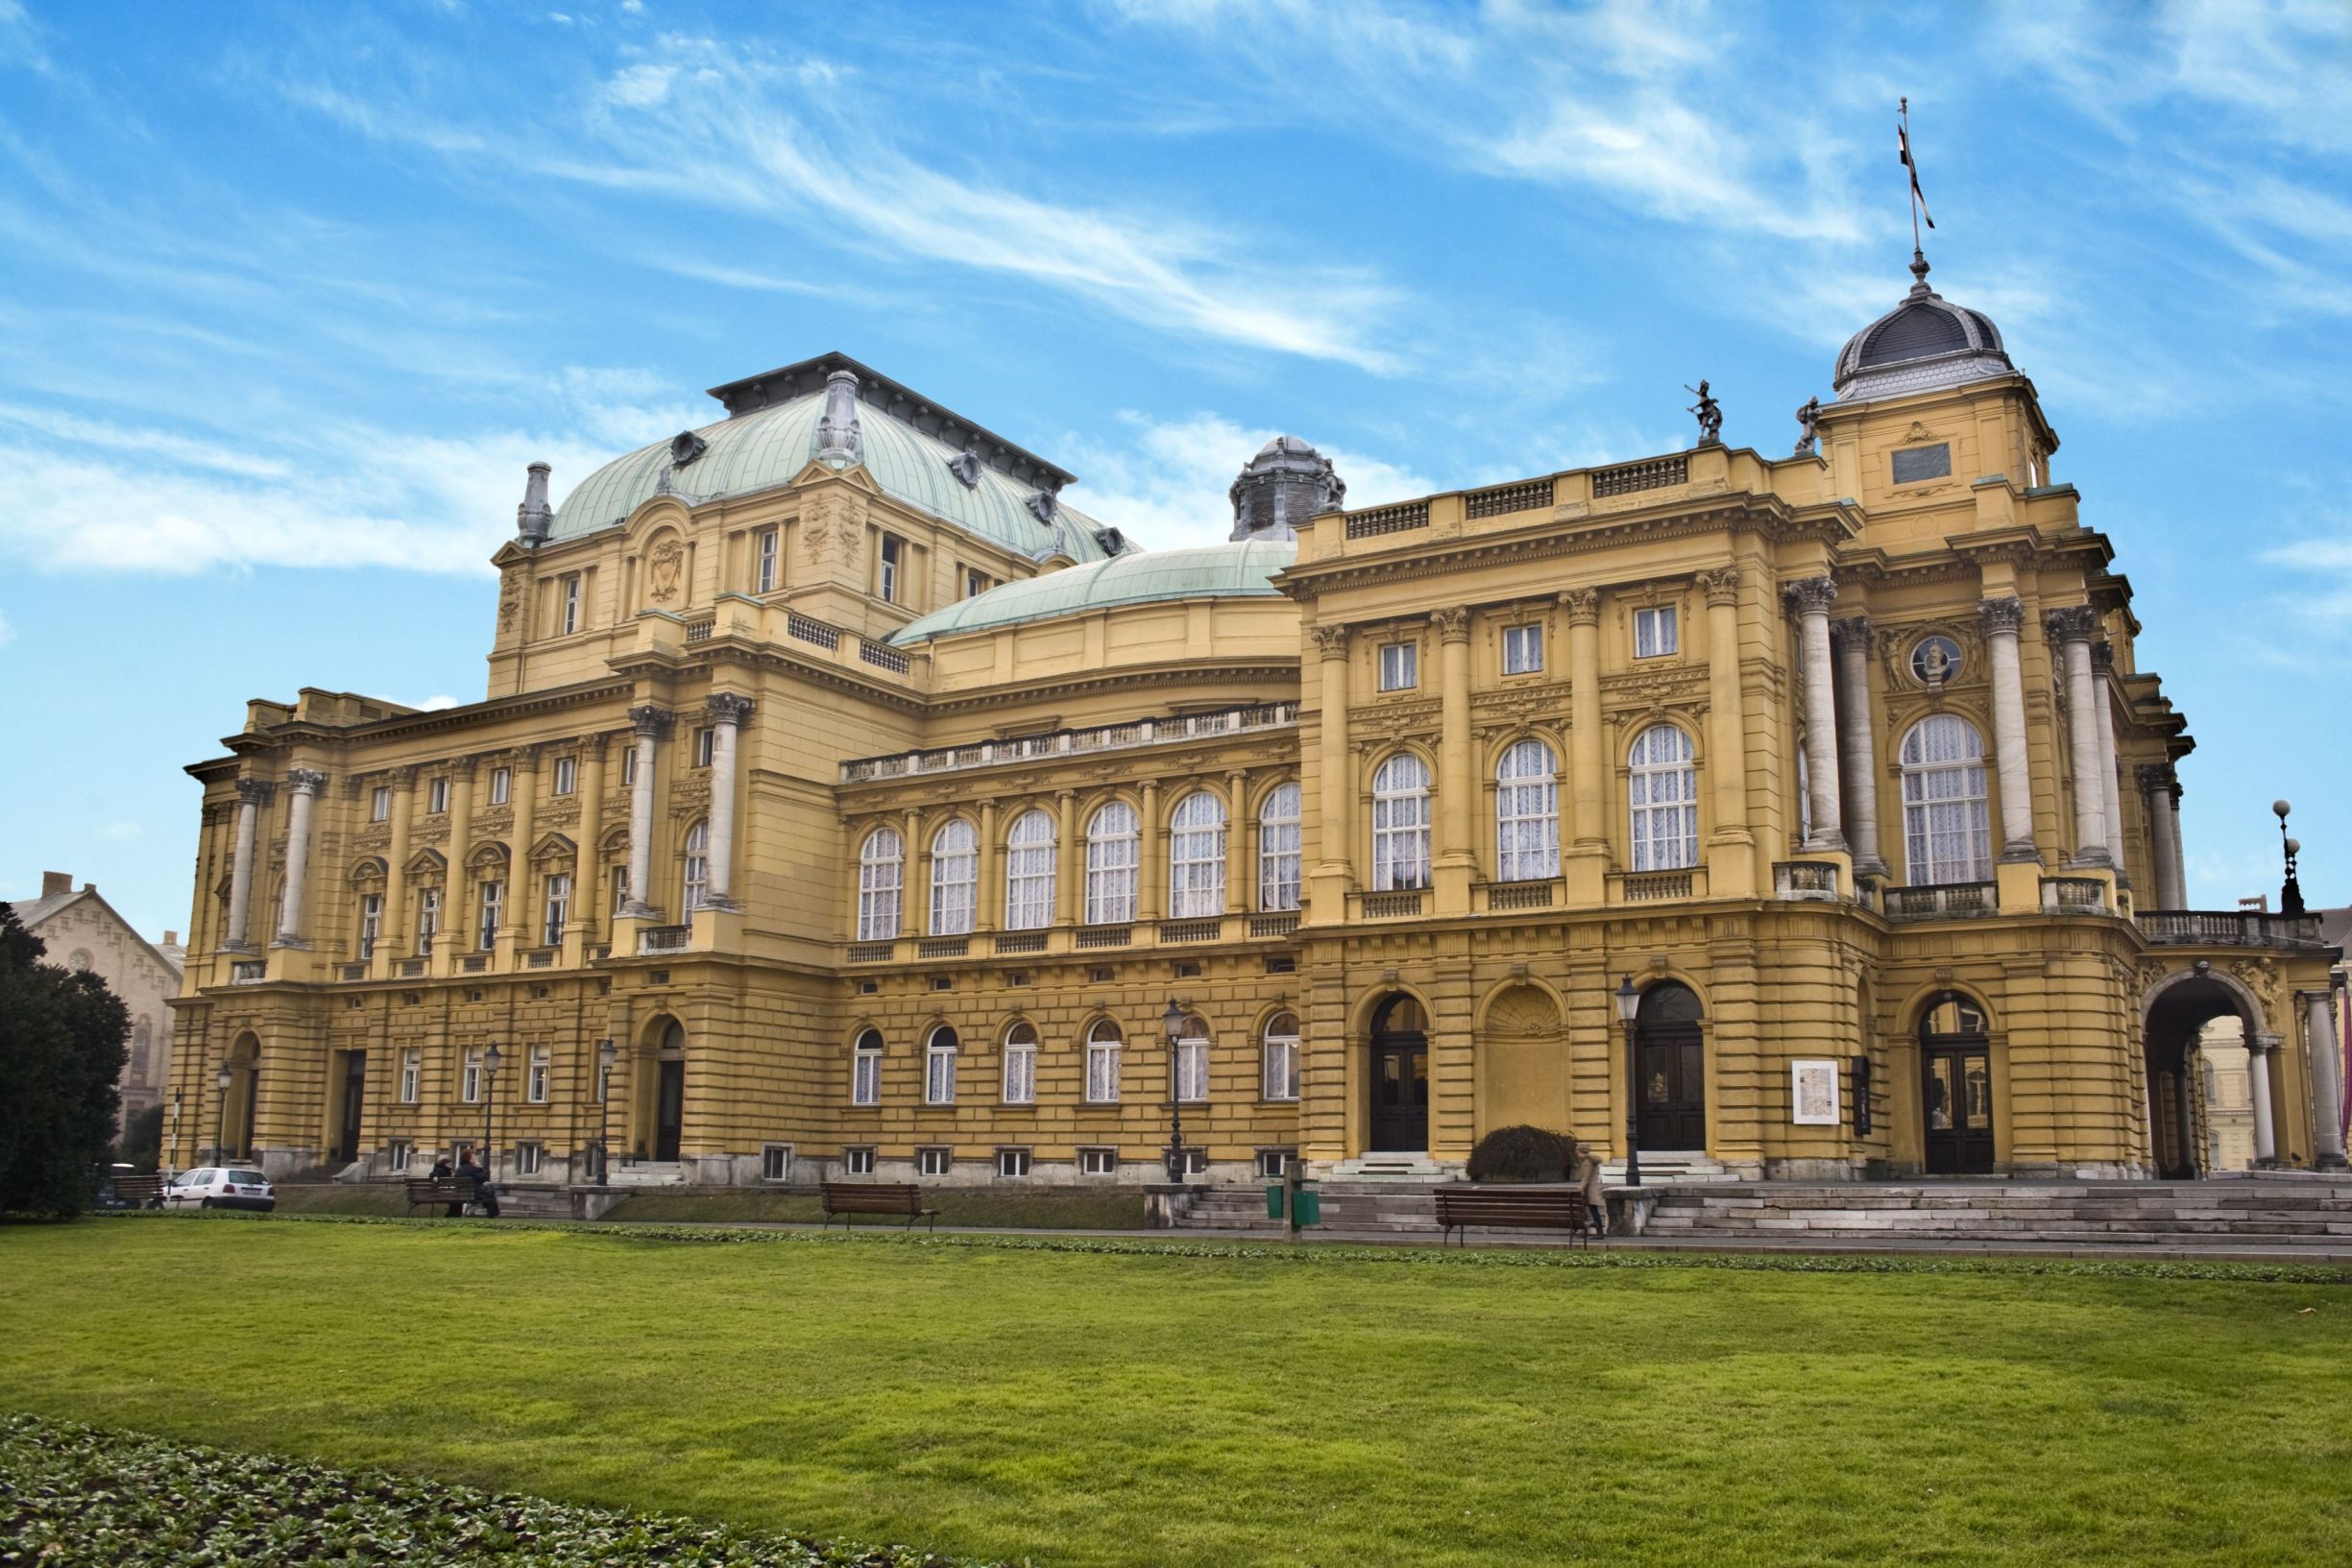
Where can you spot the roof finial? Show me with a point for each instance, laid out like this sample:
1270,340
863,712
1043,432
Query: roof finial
1919,197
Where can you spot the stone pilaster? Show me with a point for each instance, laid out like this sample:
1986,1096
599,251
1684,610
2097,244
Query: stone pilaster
2320,1041
650,724
1586,860
1730,858
1851,637
728,715
1809,600
1456,863
2102,683
2071,629
2258,1049
1335,837
2001,620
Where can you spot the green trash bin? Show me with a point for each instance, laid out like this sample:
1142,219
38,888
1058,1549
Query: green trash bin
1274,1201
1310,1208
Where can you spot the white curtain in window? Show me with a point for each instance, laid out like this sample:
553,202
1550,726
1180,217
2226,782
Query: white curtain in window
1400,824
881,866
1103,1043
955,878
1527,813
866,1076
1664,791
1282,1057
1196,857
697,865
939,1068
1279,849
1029,872
1111,847
1021,1065
1947,829
1192,1060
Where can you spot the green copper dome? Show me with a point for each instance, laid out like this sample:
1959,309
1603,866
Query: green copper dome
1213,572
767,446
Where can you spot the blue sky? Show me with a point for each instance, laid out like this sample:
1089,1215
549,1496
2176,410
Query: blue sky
290,295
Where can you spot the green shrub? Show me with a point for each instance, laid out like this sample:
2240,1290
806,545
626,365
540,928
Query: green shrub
1523,1153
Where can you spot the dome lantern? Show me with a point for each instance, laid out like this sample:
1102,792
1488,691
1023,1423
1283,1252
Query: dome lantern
1286,483
1923,345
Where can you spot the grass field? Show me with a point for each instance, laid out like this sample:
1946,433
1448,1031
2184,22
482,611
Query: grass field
1170,1408
1109,1209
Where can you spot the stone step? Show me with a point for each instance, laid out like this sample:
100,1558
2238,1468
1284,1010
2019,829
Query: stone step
646,1174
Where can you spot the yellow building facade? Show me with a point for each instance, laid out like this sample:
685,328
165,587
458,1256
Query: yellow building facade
845,802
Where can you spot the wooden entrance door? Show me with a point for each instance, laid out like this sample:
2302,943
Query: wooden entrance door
669,1111
1958,1102
355,1098
1399,1079
1670,1099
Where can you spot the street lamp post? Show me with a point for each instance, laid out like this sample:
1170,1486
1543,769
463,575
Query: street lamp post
220,1117
2291,894
1629,1002
491,1059
1173,1021
607,1054
173,1167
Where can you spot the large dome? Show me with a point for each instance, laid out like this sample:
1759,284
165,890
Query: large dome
762,446
1922,345
1208,571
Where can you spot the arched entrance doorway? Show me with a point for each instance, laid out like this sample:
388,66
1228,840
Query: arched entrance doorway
1955,1096
1671,1101
1399,1077
234,1136
669,1093
2176,1016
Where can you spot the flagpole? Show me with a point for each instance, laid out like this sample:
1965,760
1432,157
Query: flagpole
1910,171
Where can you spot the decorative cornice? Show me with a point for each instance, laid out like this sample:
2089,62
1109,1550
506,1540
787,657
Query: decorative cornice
2001,616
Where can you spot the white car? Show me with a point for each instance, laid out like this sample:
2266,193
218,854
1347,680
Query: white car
221,1187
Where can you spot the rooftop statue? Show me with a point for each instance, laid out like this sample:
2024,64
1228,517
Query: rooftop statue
1710,413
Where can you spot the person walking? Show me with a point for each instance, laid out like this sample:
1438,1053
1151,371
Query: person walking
1588,1182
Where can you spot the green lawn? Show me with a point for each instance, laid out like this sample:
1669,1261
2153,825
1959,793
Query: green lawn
1110,1210
1166,1409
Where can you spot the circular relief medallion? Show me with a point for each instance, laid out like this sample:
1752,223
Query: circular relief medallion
1935,659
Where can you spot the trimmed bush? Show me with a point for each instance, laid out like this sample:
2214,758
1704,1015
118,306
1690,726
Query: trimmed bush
1523,1153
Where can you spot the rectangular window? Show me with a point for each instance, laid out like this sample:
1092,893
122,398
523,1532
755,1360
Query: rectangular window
558,909
1654,633
379,804
1013,1161
763,577
567,775
371,918
856,1162
1196,1162
1020,1072
437,797
621,888
893,553
1098,1162
428,920
1522,649
933,1162
705,745
1399,666
1192,1071
1101,1072
398,1155
502,785
469,1081
1274,1161
527,1158
493,895
628,766
412,1075
866,1081
535,1079
1915,465
775,1159
569,621
1028,875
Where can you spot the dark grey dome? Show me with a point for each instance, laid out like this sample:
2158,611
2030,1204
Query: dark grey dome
1287,482
1923,344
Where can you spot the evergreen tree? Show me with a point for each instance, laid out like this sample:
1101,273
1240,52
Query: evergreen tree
63,1040
142,1139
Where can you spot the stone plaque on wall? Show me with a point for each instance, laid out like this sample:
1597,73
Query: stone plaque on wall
1915,465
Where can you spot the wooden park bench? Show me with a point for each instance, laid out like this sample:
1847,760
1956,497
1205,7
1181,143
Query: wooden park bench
139,1192
442,1190
1513,1208
848,1199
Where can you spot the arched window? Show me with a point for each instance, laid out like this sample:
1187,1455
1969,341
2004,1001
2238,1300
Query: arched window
1021,1065
1527,814
1192,1059
698,866
1104,1042
881,869
940,1067
142,1045
1664,792
1278,849
1196,857
1282,1057
1029,872
865,1072
1947,833
1400,824
1111,846
955,878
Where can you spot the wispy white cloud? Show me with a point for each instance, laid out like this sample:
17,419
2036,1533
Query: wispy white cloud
120,831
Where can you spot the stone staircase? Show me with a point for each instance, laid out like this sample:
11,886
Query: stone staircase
526,1202
646,1174
2247,1211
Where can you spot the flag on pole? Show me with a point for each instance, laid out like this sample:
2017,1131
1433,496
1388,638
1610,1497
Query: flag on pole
1903,149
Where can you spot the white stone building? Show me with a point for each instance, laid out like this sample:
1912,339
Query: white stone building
83,932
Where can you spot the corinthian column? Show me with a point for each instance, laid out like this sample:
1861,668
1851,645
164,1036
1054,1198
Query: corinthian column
728,711
252,794
1335,841
2326,1082
1861,762
2071,628
2002,618
2156,783
1808,600
305,783
1457,859
651,724
2111,787
2258,1049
